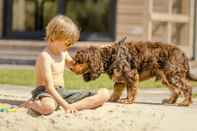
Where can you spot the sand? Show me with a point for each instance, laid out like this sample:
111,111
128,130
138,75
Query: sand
110,117
145,115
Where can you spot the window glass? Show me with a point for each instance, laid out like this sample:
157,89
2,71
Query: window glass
32,15
90,15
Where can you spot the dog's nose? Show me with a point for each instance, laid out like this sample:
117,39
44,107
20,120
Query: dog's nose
113,78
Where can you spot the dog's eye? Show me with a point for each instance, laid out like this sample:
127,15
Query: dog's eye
77,61
80,62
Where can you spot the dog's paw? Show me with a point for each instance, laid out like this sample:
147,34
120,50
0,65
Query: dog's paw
184,103
168,101
126,101
113,98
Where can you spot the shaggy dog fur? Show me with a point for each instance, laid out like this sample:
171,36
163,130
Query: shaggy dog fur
127,63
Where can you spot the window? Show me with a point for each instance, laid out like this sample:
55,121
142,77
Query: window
92,16
28,18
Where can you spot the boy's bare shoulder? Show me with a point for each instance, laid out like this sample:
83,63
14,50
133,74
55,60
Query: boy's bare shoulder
67,56
43,56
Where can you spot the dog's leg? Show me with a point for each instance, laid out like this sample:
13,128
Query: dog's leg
186,88
175,92
131,91
117,92
177,85
174,96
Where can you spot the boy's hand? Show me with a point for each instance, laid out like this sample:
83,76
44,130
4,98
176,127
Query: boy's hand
70,109
77,68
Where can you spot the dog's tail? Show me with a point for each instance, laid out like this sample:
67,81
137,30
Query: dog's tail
121,41
192,74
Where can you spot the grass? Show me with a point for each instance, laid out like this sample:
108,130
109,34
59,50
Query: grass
26,77
194,95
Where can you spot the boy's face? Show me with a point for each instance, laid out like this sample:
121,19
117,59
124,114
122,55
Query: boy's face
62,44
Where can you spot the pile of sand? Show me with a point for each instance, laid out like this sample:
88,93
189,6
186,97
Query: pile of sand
146,115
110,117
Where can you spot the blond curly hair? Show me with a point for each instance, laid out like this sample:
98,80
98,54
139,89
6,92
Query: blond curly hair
62,27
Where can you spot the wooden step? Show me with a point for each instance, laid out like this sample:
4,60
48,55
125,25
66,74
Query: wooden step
21,44
19,52
25,52
16,60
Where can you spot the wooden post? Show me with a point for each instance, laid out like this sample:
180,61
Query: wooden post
1,17
169,23
195,31
147,19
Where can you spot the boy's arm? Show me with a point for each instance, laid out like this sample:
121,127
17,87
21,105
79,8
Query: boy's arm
50,86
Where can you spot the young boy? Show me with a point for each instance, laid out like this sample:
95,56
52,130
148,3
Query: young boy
61,33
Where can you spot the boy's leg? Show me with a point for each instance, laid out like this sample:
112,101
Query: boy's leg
44,106
93,101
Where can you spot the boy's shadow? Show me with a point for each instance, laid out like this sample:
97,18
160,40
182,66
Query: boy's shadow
12,102
33,113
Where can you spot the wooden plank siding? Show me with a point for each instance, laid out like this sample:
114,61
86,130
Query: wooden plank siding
1,17
132,15
130,19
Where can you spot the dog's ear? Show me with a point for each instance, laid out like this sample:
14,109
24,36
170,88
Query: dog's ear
95,63
81,56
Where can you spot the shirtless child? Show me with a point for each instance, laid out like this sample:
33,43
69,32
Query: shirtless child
61,33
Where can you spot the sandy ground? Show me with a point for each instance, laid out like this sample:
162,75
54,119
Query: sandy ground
147,114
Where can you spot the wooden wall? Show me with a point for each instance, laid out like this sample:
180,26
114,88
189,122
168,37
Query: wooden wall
131,18
131,14
1,16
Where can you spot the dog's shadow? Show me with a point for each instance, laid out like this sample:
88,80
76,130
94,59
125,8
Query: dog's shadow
148,103
153,103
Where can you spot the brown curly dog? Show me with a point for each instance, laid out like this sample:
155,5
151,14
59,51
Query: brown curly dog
127,63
